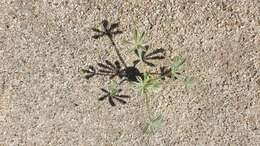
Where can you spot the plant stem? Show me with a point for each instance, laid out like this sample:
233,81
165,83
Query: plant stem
147,104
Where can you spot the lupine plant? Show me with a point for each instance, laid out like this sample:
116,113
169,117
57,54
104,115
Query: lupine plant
145,85
145,82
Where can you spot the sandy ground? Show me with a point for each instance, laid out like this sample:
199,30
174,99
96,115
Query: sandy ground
46,101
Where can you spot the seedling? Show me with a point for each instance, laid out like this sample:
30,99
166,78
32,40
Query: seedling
176,66
145,85
138,42
145,82
153,125
189,81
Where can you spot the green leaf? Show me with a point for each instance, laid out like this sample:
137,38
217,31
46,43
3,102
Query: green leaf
113,88
131,49
177,64
126,42
147,83
189,81
135,35
142,37
141,54
138,42
154,125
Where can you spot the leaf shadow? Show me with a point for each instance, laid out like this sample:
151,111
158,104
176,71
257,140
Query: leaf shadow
148,57
113,97
108,30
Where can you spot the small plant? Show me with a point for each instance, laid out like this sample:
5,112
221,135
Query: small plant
176,66
138,44
145,82
153,125
145,85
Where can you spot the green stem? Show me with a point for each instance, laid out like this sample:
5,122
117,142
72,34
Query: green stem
147,104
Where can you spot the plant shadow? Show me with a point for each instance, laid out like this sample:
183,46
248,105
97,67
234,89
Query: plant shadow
148,57
112,70
108,29
113,97
118,68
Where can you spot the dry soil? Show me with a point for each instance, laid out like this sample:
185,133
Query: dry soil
45,100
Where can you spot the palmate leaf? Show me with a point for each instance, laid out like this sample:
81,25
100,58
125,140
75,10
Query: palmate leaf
147,83
138,41
138,37
189,81
176,65
154,125
113,88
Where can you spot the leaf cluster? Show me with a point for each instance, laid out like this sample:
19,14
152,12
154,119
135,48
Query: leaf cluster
138,42
177,64
147,83
153,125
